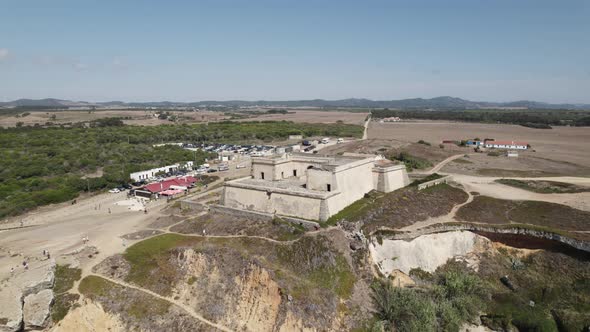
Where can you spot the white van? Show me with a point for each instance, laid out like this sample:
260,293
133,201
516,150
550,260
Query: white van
340,140
325,140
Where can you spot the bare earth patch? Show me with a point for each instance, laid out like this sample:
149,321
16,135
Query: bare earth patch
165,222
140,235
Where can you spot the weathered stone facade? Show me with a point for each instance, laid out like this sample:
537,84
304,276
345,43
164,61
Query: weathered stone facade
311,187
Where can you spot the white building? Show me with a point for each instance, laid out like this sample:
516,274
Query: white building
507,145
144,175
309,186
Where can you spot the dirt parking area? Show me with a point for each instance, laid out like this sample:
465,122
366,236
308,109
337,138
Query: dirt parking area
559,143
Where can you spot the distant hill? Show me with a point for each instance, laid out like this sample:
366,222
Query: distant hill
444,102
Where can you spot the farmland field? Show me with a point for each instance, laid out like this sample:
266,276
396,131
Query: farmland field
132,117
560,143
311,116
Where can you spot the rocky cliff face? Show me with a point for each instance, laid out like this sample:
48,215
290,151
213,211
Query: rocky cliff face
516,230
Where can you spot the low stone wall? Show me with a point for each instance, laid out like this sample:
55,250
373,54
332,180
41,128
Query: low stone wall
577,244
431,183
238,213
191,205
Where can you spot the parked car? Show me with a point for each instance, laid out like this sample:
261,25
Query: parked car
114,191
127,186
211,170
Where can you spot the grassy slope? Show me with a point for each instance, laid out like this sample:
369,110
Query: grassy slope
409,205
308,267
490,210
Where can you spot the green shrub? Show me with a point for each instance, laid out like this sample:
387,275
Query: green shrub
424,142
412,162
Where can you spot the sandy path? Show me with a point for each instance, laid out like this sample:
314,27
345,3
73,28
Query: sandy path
189,310
487,187
366,125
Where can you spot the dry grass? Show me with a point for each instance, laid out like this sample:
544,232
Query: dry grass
559,143
406,206
314,116
490,210
528,164
223,224
544,187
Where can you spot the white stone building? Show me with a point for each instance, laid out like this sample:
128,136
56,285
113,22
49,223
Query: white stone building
144,175
311,187
506,145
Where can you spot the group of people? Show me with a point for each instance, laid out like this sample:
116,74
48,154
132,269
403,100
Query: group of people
25,266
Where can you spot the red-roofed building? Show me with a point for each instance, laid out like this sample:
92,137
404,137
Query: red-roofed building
179,183
507,145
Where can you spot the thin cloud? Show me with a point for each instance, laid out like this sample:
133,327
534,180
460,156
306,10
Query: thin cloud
4,53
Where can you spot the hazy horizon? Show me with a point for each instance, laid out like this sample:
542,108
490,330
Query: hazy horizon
186,51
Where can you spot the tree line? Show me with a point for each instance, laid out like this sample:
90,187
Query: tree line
530,118
41,166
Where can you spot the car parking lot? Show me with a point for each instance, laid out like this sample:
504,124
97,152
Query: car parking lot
246,149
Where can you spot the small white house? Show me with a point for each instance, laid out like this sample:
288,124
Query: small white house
507,145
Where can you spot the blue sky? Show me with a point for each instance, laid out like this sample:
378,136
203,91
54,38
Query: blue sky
203,50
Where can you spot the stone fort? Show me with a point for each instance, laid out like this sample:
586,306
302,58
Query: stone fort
310,186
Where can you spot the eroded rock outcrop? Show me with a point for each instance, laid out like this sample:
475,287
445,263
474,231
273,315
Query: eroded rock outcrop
37,308
11,310
426,252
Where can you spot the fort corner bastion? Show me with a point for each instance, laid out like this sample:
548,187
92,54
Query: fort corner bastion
309,186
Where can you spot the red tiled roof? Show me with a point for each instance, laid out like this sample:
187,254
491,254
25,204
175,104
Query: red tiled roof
507,143
165,185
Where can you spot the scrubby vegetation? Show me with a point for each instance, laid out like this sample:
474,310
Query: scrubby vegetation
65,276
411,162
551,293
354,210
427,178
310,270
454,295
535,118
40,166
544,187
137,310
484,209
402,207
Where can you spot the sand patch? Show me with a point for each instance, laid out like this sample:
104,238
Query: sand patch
89,317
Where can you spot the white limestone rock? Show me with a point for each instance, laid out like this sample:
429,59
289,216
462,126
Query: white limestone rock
37,308
45,282
11,309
